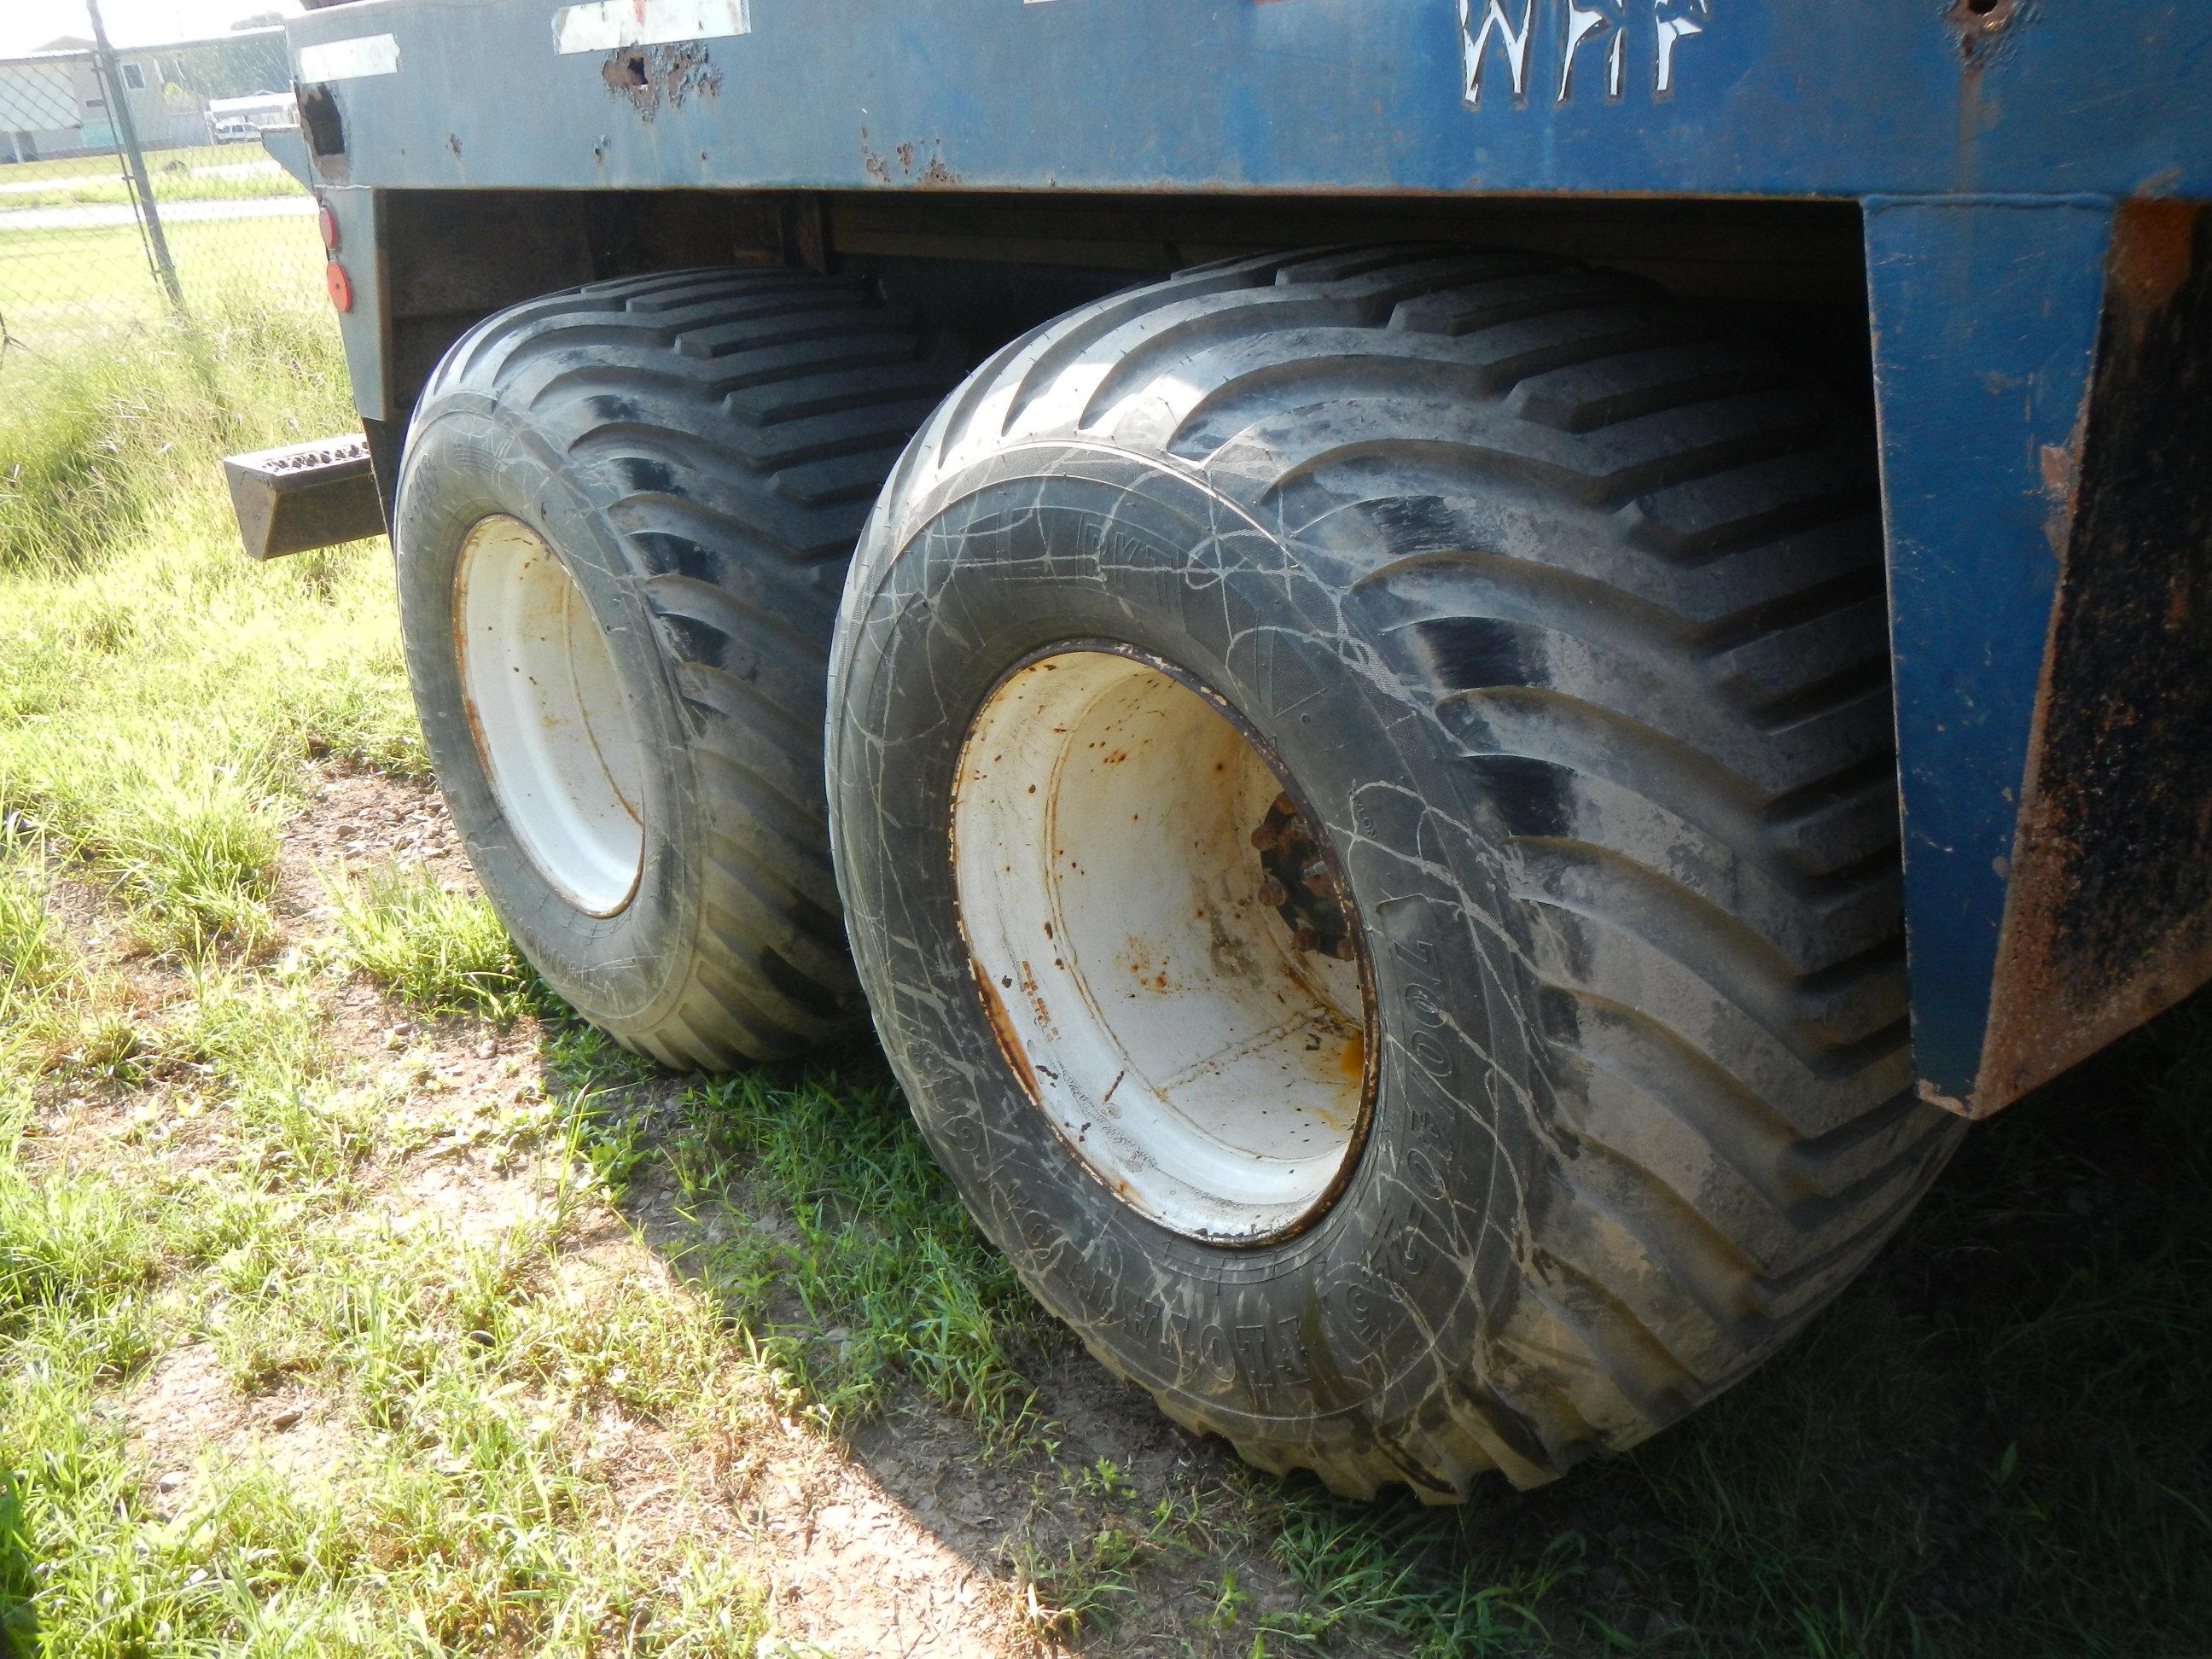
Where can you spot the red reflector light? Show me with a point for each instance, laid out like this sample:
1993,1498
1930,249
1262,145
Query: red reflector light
338,285
326,222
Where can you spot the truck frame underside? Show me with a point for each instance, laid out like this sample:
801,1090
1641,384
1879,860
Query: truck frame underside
1984,224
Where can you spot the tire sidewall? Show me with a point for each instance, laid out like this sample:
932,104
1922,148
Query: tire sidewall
1349,1325
468,458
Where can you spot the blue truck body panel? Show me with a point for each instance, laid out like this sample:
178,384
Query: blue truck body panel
1986,318
1992,145
1844,98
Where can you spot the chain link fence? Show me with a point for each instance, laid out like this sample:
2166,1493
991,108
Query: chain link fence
133,187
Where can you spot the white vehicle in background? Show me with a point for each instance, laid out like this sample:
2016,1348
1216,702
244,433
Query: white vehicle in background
240,120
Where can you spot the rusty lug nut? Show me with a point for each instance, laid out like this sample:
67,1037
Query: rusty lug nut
1272,893
1265,837
1284,807
1304,938
1344,950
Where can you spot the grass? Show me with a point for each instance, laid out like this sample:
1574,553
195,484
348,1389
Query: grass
203,173
363,1169
457,1505
874,1276
439,951
175,812
78,169
64,292
463,1513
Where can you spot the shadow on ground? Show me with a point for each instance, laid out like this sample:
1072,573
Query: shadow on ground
1996,1441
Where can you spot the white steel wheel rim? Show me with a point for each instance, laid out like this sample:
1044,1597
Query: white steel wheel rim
552,726
1211,1073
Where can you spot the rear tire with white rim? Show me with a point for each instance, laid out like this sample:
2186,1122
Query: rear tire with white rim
625,515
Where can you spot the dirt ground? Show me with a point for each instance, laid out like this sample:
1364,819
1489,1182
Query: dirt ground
1868,1494
914,1538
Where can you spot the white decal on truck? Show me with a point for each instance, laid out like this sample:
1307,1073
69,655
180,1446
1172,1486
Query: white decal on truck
606,24
348,60
1671,30
1475,45
1496,42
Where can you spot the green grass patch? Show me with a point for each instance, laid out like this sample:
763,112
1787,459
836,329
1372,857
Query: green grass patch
466,1513
159,693
99,444
67,289
865,1271
464,1509
440,951
827,1231
33,954
203,173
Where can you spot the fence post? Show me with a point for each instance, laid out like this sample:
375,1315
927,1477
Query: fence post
126,133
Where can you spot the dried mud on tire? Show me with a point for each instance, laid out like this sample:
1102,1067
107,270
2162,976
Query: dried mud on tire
1566,610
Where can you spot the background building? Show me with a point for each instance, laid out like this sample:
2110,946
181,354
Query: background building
52,102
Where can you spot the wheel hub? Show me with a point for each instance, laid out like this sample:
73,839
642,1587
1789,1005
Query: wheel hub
1162,946
1300,887
552,726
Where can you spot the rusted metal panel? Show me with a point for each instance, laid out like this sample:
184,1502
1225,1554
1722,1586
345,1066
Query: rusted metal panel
2108,916
304,495
1985,319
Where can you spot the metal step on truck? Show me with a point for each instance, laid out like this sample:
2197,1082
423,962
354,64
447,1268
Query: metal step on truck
1456,676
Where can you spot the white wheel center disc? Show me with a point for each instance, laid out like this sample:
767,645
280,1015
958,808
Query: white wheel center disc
1199,1052
551,724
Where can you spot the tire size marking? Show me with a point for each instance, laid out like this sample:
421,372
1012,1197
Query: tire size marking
1206,1361
1423,999
1591,42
